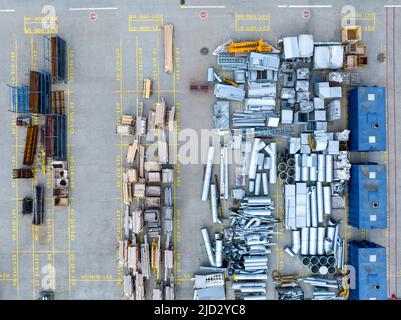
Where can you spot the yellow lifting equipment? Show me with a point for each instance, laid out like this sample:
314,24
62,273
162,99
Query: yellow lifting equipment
249,46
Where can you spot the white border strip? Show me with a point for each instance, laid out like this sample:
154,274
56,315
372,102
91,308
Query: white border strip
305,6
202,7
92,9
392,5
7,10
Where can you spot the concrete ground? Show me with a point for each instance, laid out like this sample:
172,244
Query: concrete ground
107,60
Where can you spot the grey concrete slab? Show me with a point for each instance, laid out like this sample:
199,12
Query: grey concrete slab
82,240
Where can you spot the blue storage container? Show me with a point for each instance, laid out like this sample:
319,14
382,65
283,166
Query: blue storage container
367,119
368,196
369,261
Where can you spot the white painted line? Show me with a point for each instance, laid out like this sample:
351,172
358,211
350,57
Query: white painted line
7,10
310,6
92,9
203,7
282,6
392,5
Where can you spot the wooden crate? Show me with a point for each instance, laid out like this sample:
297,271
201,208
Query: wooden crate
351,34
168,30
34,92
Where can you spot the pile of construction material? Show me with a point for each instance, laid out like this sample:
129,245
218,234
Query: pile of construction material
276,95
146,250
41,110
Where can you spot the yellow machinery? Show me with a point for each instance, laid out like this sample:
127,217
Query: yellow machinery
248,46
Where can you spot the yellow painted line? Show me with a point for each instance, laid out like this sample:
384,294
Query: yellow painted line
16,182
252,22
34,25
361,18
145,23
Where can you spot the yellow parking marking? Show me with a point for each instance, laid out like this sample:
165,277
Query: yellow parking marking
35,25
252,22
366,19
145,23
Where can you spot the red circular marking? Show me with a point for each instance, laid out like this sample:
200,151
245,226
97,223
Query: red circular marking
92,16
203,14
306,14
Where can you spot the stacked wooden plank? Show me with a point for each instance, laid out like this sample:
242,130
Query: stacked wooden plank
34,92
127,190
168,48
147,88
132,150
30,145
58,102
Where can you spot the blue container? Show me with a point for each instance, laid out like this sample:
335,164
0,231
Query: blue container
367,119
369,261
368,196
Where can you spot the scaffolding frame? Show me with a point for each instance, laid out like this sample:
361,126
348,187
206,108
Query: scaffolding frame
19,99
54,56
55,139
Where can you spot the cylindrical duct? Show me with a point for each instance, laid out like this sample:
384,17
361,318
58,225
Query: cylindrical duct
312,241
219,253
296,241
321,167
319,198
271,150
320,240
213,200
304,241
265,183
251,186
329,168
208,174
257,184
313,207
297,160
313,168
250,276
327,199
208,246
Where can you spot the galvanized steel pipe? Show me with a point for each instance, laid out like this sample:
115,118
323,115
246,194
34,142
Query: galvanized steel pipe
313,207
257,183
213,200
208,174
265,184
271,150
327,199
312,241
321,167
304,241
208,246
320,240
329,168
297,159
296,241
319,199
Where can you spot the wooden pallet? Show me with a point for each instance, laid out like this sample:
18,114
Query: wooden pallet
58,106
30,145
24,173
34,92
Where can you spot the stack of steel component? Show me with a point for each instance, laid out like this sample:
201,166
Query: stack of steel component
249,247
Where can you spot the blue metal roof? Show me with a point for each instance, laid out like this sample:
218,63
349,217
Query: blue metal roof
369,261
367,119
368,196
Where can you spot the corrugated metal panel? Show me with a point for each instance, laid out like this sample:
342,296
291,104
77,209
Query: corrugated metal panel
367,119
368,196
369,261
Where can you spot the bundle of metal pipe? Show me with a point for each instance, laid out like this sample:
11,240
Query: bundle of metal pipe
290,293
248,249
322,282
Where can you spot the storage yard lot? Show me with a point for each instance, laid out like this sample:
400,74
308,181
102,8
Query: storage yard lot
107,60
